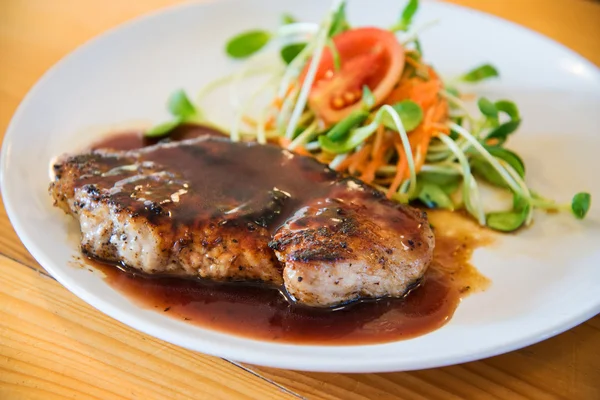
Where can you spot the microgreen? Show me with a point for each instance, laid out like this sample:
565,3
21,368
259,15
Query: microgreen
435,197
452,91
353,139
337,62
510,157
291,51
287,19
480,73
487,108
418,47
506,221
485,170
162,129
580,204
368,99
406,16
342,128
509,108
247,43
410,114
446,181
340,23
501,132
180,105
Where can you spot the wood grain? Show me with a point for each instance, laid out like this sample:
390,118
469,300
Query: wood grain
573,23
566,366
52,345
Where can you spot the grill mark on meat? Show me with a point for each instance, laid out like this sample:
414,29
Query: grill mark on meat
214,209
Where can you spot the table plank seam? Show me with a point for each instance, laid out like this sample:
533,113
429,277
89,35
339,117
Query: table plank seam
258,375
41,272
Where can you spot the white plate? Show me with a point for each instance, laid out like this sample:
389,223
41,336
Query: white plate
545,279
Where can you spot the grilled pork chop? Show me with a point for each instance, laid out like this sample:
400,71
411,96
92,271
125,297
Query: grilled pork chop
214,209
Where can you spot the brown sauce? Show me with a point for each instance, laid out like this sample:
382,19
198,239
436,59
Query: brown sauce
135,139
261,312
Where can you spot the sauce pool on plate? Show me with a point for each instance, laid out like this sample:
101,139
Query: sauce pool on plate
263,313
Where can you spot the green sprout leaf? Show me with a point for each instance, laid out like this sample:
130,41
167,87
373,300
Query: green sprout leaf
435,197
452,91
486,171
406,16
509,221
418,47
337,61
509,108
487,108
351,141
510,157
445,181
368,99
501,133
580,205
480,73
291,51
162,129
247,43
519,202
340,23
506,221
180,105
287,19
342,128
410,114
482,168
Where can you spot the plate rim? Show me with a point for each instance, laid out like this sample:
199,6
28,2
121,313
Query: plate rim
227,351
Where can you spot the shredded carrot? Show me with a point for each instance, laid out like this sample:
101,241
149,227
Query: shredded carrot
346,163
302,151
378,140
377,158
411,61
440,128
422,149
442,111
249,121
385,181
361,158
401,92
277,103
401,167
324,158
269,123
424,93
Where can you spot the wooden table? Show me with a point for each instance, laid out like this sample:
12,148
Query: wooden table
52,345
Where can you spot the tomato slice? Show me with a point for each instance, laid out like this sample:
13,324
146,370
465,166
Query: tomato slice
368,56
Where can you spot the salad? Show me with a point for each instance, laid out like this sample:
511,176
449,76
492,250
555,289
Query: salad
364,101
